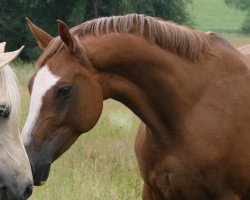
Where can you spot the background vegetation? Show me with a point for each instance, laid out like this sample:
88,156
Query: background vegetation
101,165
14,30
196,13
243,5
215,15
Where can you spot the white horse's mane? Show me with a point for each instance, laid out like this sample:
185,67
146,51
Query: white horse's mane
10,88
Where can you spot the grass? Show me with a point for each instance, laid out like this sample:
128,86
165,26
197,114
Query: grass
215,15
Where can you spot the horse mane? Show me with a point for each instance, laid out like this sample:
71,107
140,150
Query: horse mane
170,36
10,89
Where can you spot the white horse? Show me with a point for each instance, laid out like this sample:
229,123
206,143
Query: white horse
15,173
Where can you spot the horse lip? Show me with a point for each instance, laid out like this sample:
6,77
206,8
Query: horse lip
40,183
41,174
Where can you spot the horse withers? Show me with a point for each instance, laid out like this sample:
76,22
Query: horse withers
15,173
191,89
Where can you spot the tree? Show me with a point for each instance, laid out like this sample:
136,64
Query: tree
167,9
14,30
243,5
10,26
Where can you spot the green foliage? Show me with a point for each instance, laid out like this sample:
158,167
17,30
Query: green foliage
245,27
239,4
243,5
10,26
14,30
167,9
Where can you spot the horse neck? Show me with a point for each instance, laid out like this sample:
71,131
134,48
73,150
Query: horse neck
156,85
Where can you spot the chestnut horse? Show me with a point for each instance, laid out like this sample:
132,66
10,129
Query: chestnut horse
191,90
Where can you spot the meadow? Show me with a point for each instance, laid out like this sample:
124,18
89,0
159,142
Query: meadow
215,15
101,165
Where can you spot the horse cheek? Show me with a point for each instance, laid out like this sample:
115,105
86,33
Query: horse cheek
89,108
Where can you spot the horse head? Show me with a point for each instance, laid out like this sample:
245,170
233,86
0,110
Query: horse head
66,101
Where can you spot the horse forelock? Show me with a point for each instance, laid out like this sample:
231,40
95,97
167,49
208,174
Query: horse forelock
10,89
175,38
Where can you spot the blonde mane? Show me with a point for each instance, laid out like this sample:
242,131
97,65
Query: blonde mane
10,89
175,38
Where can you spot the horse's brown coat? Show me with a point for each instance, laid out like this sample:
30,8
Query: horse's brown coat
194,141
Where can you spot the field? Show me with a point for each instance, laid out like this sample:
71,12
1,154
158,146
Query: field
215,15
101,165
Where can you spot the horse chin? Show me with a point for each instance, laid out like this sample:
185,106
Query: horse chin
41,174
41,183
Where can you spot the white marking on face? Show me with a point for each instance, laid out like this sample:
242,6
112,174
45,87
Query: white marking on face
43,81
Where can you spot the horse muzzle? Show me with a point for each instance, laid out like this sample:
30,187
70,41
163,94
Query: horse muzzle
13,194
40,174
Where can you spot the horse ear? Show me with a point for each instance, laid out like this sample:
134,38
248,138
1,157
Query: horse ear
72,43
66,36
42,37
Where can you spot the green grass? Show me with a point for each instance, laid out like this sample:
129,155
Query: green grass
215,15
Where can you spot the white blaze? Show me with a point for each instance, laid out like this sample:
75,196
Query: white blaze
43,81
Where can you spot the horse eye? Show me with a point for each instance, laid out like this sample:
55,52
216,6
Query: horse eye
4,111
64,91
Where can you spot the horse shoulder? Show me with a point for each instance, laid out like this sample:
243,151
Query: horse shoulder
153,165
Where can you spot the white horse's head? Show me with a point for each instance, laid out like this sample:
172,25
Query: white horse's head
15,172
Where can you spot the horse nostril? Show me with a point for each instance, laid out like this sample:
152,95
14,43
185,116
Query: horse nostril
28,192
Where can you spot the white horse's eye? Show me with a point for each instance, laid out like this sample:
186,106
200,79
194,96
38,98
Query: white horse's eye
4,111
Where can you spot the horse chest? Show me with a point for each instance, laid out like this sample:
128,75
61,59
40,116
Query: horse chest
170,175
153,166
